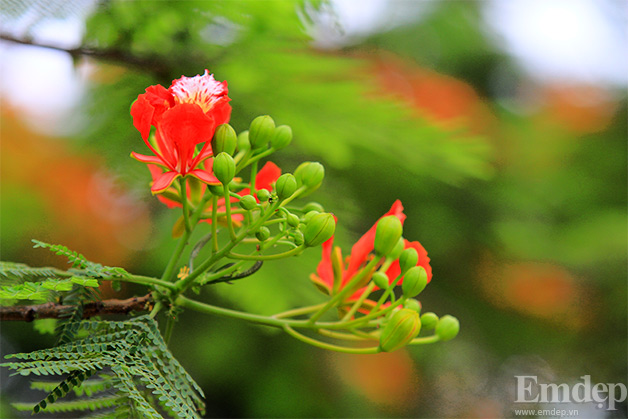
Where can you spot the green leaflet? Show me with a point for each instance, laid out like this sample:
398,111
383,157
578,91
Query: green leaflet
133,360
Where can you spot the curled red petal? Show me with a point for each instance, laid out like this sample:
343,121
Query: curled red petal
149,159
221,110
164,180
325,270
267,176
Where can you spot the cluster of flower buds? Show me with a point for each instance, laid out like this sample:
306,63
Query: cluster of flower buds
199,166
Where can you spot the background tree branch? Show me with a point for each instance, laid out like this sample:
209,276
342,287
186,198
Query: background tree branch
94,308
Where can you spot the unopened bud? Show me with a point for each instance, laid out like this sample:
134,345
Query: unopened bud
381,280
429,320
263,195
309,215
243,141
282,137
310,174
224,168
413,304
400,329
225,140
387,234
396,251
216,189
298,238
248,202
262,234
319,229
261,131
313,206
408,259
285,186
414,281
293,220
447,327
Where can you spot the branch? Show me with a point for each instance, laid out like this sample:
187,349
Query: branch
93,308
144,63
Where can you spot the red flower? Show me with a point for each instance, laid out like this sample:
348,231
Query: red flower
184,116
264,180
361,253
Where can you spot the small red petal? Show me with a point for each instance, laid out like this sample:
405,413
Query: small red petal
163,181
142,112
205,176
267,176
149,159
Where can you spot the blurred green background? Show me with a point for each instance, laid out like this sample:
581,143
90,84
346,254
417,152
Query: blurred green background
509,157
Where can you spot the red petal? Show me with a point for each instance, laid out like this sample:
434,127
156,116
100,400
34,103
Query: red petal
221,110
325,269
142,112
205,176
424,260
149,159
163,181
267,176
364,246
184,126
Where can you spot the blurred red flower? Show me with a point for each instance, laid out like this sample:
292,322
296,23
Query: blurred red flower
184,116
361,254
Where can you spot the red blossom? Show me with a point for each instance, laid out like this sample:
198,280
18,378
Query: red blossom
264,180
184,116
361,253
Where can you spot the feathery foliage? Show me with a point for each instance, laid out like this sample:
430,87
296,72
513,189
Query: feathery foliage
133,360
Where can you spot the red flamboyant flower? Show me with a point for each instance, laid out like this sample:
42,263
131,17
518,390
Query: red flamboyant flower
361,254
264,180
184,116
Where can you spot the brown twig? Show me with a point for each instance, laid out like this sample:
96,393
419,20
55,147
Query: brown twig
93,308
145,63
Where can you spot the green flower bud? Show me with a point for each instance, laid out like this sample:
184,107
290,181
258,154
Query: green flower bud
381,280
447,327
285,186
319,229
224,168
248,202
313,206
225,140
263,195
396,251
309,215
408,259
293,220
298,238
261,131
216,190
310,175
243,141
387,234
414,281
429,320
262,234
400,329
282,137
413,304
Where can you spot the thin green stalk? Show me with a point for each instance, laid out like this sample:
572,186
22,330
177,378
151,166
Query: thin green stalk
298,311
424,340
214,224
346,290
267,257
328,346
185,204
228,210
359,302
169,327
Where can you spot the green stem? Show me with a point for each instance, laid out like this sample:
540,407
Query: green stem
328,346
185,204
424,340
169,327
346,290
267,257
214,224
298,311
228,210
253,177
359,302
